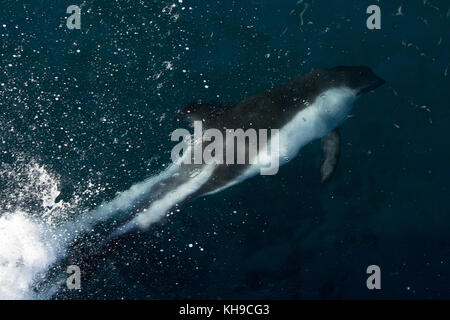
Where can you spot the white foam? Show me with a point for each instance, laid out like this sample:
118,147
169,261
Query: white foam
24,254
28,244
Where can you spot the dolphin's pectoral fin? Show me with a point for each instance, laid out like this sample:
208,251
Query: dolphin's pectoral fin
330,148
205,112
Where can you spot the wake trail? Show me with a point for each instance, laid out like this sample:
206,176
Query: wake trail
31,244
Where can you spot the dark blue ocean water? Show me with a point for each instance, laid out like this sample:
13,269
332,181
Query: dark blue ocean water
93,108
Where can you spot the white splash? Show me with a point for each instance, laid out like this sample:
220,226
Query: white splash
24,254
28,242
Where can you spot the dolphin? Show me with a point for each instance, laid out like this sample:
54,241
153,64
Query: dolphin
307,108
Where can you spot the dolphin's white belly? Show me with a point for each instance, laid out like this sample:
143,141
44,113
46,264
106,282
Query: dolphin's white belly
326,113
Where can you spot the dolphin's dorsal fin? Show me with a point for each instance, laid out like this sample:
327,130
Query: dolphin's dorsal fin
208,113
330,148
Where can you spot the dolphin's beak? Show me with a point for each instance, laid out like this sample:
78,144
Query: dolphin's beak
375,83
